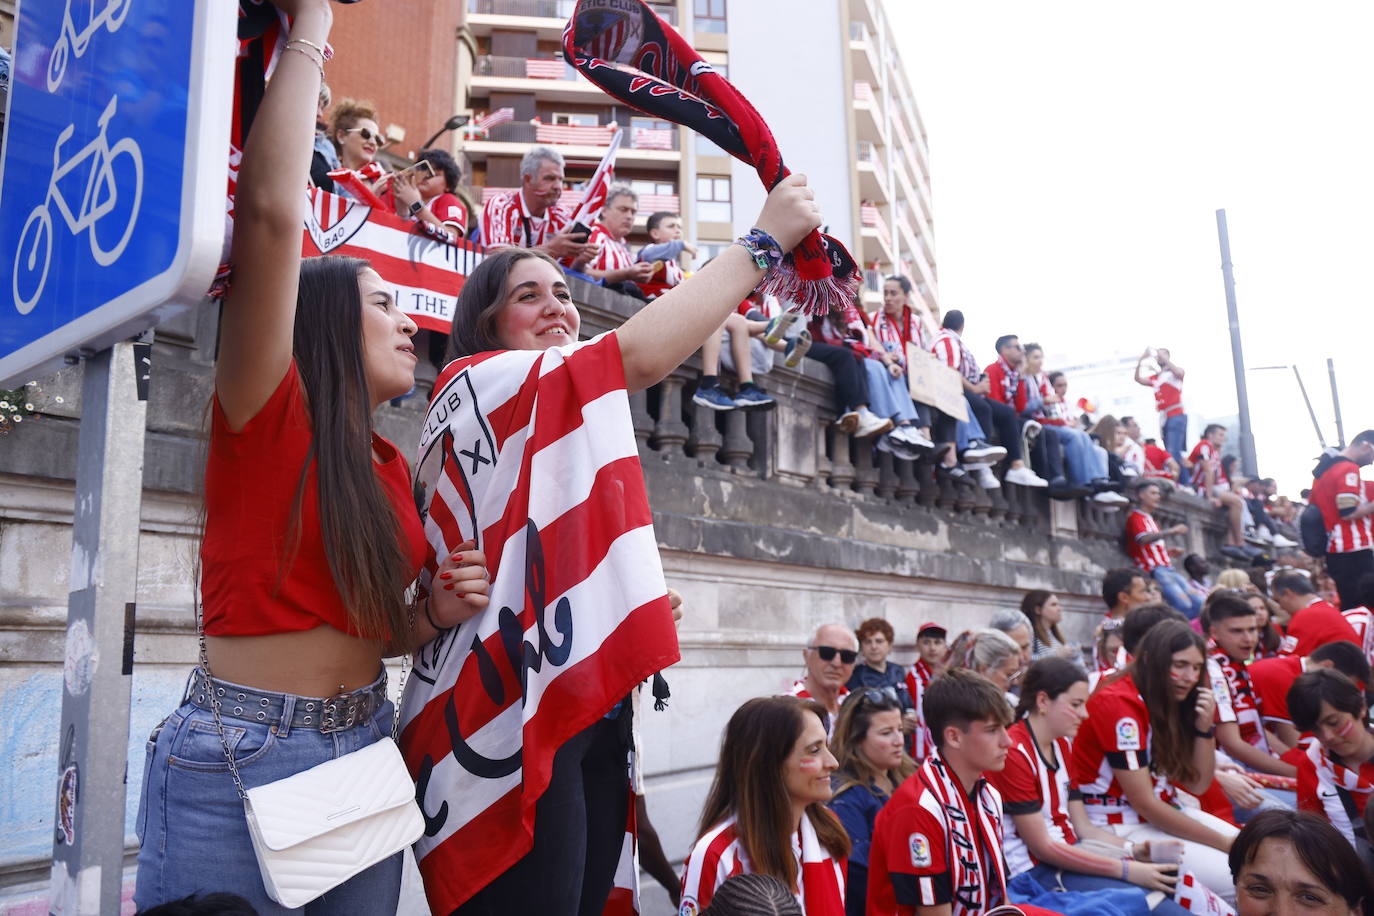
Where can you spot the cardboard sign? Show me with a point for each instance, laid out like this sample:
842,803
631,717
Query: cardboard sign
933,383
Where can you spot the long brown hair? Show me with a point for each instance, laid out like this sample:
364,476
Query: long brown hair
749,785
1031,604
481,301
358,526
851,729
1171,721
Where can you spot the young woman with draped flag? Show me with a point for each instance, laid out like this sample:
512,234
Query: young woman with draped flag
634,56
766,814
311,535
514,724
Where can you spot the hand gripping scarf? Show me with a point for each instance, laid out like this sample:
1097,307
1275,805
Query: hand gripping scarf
623,47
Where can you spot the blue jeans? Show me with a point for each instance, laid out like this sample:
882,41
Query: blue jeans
888,397
1176,591
1083,461
194,838
1053,879
1176,442
1278,799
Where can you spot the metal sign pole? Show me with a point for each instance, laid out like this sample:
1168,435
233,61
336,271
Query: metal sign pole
88,849
1336,403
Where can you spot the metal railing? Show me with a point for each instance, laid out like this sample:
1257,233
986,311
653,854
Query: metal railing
549,9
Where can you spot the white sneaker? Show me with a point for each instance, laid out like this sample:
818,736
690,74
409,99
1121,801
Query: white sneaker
848,421
1283,541
1026,477
870,424
1108,498
912,436
986,479
898,446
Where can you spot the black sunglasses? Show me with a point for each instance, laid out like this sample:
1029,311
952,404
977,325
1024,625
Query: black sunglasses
367,135
827,654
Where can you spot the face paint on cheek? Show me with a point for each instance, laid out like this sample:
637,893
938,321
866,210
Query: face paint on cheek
810,765
1347,729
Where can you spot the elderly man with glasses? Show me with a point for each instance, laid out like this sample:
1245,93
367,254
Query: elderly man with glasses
830,659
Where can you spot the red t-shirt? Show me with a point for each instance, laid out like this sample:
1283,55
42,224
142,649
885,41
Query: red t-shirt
1203,456
449,209
251,477
1168,394
1314,626
1319,793
1159,461
1030,784
1340,487
1146,556
1270,678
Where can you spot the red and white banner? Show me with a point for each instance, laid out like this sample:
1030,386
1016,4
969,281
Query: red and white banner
538,69
595,190
425,273
653,138
573,134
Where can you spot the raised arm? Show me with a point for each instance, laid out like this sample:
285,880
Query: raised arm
669,329
255,341
1140,369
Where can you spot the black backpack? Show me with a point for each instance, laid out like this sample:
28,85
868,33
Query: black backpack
1312,531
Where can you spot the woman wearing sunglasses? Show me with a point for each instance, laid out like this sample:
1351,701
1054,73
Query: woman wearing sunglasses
868,744
357,137
766,814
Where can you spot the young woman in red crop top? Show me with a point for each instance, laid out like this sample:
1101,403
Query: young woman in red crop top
311,531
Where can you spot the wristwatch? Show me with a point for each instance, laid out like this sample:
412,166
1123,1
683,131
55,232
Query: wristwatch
416,207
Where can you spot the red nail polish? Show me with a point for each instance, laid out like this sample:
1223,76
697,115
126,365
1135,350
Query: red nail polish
449,587
446,575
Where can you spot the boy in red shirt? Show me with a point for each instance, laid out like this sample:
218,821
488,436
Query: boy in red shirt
937,844
1145,544
1210,481
1348,514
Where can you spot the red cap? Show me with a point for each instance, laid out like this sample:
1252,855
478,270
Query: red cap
932,628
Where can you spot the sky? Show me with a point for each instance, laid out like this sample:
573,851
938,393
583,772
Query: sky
1079,151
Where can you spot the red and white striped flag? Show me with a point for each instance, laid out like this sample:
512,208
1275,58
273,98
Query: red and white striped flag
425,273
499,116
539,69
594,191
574,134
653,138
531,453
1198,898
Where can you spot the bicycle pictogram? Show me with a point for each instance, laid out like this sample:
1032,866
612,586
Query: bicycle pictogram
71,43
101,196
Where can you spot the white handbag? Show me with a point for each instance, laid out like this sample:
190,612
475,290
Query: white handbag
315,829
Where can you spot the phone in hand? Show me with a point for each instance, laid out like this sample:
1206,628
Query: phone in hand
580,228
422,170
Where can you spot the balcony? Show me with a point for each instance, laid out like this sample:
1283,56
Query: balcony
572,197
877,237
549,79
545,17
872,172
642,147
868,116
865,53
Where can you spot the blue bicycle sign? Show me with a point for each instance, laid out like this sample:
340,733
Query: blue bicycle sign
113,172
100,199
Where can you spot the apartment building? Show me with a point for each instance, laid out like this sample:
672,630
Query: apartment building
825,74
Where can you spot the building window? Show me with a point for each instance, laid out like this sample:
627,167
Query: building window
575,119
708,250
705,147
710,15
640,186
713,200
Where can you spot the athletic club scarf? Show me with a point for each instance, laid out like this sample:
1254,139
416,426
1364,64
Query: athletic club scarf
1011,381
973,838
623,47
921,744
719,855
1235,682
895,333
532,454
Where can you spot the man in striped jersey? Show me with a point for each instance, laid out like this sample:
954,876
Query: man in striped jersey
614,266
1168,388
530,217
1145,544
1348,513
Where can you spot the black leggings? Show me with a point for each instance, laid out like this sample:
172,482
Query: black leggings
1346,570
851,387
579,830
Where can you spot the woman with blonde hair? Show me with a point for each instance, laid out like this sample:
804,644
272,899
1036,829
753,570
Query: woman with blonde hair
868,745
991,653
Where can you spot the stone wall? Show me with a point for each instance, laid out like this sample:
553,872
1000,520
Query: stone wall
770,524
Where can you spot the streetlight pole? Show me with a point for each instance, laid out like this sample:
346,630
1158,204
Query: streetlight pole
1247,438
452,123
1336,403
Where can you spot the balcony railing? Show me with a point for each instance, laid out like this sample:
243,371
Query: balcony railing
648,203
523,67
549,9
639,138
863,92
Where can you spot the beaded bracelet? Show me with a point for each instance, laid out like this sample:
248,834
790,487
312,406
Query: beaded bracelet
762,247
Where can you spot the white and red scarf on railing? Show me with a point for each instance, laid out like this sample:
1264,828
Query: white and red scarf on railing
532,454
425,273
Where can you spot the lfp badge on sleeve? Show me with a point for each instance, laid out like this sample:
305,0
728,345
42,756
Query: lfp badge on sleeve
113,171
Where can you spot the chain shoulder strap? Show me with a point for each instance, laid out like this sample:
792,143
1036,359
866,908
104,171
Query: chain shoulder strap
214,702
